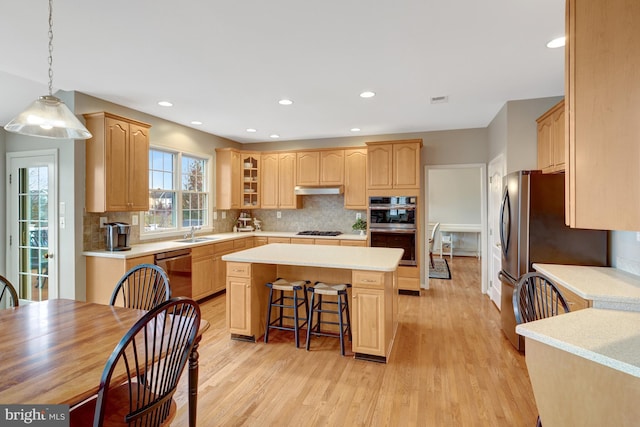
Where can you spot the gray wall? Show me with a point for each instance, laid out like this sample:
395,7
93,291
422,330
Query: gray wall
454,196
3,212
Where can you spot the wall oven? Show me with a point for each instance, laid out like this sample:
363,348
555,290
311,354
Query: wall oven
392,224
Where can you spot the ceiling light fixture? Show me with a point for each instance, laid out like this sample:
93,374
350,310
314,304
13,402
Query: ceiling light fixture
165,104
285,102
251,130
196,122
557,42
48,116
367,94
274,136
355,129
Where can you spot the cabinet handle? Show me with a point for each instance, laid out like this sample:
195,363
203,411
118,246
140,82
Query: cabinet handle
237,270
369,281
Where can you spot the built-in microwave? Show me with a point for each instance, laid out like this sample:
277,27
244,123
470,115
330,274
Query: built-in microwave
392,212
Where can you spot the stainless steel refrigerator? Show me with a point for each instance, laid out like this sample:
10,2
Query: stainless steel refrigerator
533,230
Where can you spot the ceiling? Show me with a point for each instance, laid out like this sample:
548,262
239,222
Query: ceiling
227,63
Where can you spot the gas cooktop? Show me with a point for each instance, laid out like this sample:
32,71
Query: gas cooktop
319,233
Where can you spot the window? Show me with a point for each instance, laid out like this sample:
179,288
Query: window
178,196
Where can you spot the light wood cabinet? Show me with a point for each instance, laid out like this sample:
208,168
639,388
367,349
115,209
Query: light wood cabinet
278,181
409,279
203,271
228,179
102,275
117,164
361,243
393,164
603,106
574,301
355,179
320,167
551,139
278,240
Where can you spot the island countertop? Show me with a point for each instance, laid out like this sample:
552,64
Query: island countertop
346,257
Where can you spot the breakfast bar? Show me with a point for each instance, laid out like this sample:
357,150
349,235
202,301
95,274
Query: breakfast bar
371,272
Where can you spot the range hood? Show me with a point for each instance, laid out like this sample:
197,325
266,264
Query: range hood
301,190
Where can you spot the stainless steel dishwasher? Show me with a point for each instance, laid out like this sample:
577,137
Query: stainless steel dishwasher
177,265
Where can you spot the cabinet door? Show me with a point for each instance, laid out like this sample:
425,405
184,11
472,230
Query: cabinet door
545,152
286,181
379,166
138,168
308,165
239,305
355,179
203,271
603,96
116,164
367,319
406,165
559,144
236,180
332,167
269,181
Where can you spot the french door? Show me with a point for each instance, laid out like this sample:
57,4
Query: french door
32,226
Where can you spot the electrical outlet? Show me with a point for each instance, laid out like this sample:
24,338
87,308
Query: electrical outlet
358,215
103,221
215,215
134,219
278,214
224,215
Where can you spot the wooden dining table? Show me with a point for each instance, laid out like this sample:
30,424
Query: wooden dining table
54,351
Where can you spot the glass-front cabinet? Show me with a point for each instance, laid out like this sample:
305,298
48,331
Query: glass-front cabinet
250,167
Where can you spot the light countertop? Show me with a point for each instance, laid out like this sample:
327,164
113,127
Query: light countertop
606,287
608,337
347,257
151,248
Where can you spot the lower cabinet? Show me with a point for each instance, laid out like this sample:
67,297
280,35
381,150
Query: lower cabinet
574,301
409,279
202,266
102,275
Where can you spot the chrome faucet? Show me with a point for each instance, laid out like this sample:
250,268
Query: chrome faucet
192,233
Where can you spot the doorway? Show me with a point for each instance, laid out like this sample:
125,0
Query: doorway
472,179
32,200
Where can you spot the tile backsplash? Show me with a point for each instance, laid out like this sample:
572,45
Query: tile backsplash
325,212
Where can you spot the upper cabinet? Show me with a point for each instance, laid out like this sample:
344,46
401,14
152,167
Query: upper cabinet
228,179
117,164
355,179
551,139
278,173
320,167
250,180
603,109
394,164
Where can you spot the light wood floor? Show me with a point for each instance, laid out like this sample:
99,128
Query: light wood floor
451,366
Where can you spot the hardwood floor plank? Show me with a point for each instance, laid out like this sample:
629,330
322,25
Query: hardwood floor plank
451,366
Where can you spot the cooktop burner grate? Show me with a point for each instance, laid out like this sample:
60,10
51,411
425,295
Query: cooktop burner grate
319,233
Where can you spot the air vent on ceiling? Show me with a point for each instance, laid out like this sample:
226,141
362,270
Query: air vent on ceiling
439,99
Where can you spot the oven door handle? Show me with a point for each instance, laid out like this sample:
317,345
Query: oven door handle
391,207
394,230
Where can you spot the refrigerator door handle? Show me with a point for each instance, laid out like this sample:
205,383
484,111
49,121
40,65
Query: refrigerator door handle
505,222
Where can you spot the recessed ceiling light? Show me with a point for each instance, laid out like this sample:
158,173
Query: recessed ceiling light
555,43
196,122
355,129
251,130
285,102
165,104
367,94
274,135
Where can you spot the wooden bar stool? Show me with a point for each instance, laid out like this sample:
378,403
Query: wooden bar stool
342,308
282,301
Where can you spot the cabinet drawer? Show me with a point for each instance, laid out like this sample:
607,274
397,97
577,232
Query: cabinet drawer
301,241
575,302
368,279
238,269
327,242
278,240
224,246
239,244
362,243
202,251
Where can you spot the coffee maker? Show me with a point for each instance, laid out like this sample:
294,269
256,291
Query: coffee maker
117,236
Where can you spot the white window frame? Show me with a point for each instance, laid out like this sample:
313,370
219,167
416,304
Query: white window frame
177,176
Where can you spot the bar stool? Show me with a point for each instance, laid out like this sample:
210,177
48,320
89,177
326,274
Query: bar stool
342,303
283,301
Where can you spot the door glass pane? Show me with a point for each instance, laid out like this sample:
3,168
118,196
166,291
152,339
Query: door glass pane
33,226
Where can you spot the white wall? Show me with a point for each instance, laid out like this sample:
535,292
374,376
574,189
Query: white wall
3,212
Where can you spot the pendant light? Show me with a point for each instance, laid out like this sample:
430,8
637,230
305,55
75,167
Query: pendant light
48,116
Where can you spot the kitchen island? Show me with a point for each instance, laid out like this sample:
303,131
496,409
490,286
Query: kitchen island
585,367
371,272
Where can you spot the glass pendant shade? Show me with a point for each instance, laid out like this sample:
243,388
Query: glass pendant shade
48,117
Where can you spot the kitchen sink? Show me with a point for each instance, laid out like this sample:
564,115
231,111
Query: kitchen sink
197,240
